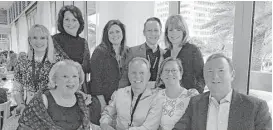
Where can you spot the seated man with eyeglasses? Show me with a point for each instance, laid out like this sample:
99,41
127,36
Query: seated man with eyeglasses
135,107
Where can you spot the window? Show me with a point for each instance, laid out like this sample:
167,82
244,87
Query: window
91,22
211,34
31,16
261,56
53,18
162,12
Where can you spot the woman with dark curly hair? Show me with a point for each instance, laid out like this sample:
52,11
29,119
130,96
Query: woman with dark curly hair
107,61
68,42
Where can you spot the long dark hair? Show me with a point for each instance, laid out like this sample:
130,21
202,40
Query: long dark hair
105,37
76,13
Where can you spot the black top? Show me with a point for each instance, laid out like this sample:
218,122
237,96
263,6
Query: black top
69,118
153,58
105,72
72,46
193,63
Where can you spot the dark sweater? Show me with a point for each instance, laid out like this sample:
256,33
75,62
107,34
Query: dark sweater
75,48
72,46
105,72
193,63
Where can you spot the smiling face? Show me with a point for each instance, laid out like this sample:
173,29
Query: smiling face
175,34
218,76
70,23
138,75
152,32
38,40
67,79
115,34
171,74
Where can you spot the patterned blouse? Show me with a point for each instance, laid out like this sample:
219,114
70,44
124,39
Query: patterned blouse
174,109
23,74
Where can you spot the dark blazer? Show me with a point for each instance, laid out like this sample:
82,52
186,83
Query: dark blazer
193,63
246,113
105,72
136,51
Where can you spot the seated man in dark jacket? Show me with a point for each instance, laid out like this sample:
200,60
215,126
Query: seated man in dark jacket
223,108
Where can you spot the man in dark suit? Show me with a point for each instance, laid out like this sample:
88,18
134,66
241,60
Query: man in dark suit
149,50
223,108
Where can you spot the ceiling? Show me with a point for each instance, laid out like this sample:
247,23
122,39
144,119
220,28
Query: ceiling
4,5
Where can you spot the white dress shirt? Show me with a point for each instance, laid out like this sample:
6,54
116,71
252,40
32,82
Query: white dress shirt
217,118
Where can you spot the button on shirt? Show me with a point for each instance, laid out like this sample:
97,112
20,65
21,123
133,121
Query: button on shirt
153,58
218,114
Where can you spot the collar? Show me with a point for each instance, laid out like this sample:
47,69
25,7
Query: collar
227,98
148,48
147,92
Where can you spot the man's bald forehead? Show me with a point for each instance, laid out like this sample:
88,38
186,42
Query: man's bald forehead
140,61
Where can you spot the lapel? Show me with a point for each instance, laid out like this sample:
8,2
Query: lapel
234,111
203,111
162,52
141,51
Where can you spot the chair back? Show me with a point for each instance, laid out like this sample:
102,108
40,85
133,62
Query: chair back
5,108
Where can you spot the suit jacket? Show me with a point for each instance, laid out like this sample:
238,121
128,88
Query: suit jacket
136,51
246,113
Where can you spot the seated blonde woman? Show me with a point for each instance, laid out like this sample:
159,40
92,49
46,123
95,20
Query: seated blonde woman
175,97
60,106
134,107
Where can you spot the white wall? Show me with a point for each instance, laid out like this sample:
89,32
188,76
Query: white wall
132,14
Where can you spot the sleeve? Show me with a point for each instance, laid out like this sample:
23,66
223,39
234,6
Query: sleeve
263,120
3,95
184,122
110,111
97,71
86,61
198,65
153,118
124,81
17,86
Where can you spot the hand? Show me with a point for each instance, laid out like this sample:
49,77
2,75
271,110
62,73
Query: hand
87,98
102,104
104,126
18,110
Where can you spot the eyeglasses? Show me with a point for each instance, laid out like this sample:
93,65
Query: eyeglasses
174,71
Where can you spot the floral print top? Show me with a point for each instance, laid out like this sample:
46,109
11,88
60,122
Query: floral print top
174,108
23,75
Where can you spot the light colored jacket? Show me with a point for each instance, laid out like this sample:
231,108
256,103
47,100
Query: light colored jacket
147,114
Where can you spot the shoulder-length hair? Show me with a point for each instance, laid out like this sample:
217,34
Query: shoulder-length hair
105,37
60,64
76,13
159,81
176,21
37,28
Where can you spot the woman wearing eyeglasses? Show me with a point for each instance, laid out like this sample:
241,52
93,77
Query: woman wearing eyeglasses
175,97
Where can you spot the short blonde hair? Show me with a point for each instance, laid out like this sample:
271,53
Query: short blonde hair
37,28
58,65
179,22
